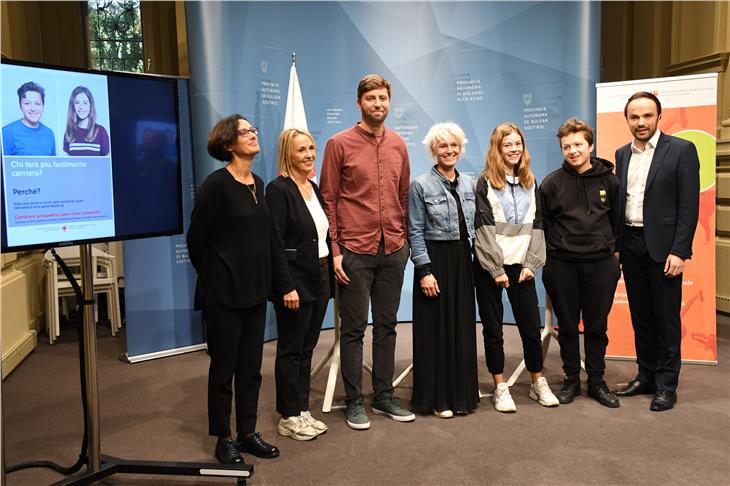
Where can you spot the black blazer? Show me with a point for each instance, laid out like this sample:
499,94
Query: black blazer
671,197
294,224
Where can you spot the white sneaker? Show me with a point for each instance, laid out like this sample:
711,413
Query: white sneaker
444,414
503,400
296,427
317,425
540,391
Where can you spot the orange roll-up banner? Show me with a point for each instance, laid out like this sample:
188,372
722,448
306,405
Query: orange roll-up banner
689,111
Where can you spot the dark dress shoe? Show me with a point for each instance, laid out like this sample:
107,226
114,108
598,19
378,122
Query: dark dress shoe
663,400
569,389
603,395
254,444
635,387
227,453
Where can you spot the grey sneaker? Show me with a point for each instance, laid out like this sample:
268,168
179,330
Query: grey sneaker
391,407
317,425
296,427
540,392
356,417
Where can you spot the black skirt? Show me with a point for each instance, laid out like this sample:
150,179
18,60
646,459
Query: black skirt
444,333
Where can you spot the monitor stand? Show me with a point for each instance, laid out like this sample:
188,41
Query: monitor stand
100,466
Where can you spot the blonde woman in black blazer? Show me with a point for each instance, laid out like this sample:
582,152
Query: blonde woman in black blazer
300,221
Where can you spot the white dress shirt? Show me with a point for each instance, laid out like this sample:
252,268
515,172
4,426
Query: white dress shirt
322,224
639,165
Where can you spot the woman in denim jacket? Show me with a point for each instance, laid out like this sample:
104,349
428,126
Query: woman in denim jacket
440,229
510,247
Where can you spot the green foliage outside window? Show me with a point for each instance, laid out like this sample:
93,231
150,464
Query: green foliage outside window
115,35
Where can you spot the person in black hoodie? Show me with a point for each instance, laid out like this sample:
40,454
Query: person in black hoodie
579,205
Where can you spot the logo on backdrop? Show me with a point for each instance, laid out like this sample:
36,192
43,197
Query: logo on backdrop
527,98
264,66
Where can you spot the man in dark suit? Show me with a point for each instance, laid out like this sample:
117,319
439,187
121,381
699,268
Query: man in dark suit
659,176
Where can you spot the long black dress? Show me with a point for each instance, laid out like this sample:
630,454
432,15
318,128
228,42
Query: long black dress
444,332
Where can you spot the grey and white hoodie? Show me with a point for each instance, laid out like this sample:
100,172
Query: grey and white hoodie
508,227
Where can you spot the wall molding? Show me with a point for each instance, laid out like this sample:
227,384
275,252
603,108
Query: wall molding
711,63
18,351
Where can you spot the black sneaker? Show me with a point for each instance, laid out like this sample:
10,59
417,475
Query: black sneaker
603,395
569,389
227,453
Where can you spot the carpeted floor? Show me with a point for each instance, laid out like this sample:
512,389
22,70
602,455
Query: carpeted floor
157,411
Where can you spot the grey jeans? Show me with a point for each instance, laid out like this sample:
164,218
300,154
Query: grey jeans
377,279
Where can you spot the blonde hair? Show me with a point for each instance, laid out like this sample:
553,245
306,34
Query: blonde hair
494,164
286,142
439,132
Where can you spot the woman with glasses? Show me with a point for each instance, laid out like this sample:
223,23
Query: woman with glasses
298,211
231,242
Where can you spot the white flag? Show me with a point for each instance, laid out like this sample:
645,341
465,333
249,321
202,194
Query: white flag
294,117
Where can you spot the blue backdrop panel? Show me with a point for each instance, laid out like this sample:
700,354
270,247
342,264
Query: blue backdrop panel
475,63
159,279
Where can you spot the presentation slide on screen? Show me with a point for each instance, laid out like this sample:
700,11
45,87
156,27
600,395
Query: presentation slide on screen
57,164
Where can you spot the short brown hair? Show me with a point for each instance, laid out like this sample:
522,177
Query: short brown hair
222,135
648,96
286,140
31,86
371,82
573,125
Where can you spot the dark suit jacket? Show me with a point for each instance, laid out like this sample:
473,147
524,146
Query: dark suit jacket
671,197
295,226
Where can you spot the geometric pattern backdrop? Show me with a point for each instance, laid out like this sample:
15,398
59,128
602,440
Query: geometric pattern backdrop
475,63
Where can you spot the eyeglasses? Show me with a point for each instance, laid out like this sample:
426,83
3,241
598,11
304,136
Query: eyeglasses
245,131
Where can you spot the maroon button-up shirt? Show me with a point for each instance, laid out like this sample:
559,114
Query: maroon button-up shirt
364,183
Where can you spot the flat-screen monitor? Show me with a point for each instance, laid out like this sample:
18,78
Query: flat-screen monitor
87,156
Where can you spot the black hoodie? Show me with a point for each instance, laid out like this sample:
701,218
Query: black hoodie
579,211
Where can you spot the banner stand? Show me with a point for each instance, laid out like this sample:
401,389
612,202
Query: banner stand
689,111
161,354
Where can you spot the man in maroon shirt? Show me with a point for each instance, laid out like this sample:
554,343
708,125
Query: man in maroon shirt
364,181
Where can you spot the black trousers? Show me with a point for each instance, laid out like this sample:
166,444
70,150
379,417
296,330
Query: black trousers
298,335
654,302
523,299
235,344
375,279
585,288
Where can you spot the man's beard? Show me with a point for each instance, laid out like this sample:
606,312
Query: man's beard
370,120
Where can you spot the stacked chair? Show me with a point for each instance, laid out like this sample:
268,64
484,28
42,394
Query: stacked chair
58,286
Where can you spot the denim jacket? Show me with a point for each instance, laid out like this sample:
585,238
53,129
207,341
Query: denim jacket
432,212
